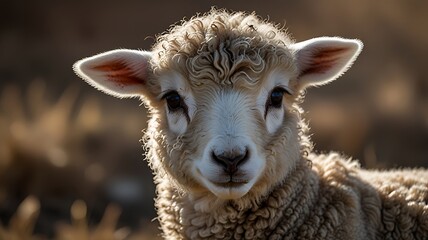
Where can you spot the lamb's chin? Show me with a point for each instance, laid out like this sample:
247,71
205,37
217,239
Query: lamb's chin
226,190
229,191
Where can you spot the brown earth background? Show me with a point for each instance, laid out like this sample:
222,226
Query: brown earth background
63,141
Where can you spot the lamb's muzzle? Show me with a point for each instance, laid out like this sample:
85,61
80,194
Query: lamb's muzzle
230,161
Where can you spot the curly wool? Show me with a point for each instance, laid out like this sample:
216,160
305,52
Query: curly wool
222,47
333,199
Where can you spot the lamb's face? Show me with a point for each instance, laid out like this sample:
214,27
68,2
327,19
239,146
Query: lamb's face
220,135
230,136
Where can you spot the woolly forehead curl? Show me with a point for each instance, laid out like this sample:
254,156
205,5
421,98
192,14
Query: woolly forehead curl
222,47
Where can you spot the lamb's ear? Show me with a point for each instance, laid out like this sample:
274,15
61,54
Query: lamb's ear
322,60
121,73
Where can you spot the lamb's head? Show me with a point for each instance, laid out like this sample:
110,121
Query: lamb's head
222,90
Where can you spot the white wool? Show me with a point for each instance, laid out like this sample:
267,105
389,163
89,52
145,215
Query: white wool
229,150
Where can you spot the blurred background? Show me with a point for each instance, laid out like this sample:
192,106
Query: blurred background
71,164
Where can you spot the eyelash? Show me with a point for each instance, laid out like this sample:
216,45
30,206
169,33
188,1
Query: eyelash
174,101
174,107
276,103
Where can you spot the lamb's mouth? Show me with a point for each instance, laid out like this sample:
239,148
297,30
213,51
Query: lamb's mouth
232,183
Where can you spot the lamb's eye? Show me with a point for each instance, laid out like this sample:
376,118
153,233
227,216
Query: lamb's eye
174,101
275,99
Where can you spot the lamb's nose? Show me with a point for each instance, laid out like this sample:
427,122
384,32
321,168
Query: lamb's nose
230,160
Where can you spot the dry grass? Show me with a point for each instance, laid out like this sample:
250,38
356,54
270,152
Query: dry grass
54,152
22,224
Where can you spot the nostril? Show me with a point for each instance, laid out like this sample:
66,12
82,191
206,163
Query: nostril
240,158
230,160
218,159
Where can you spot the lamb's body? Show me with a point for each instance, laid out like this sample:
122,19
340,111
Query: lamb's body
229,148
324,198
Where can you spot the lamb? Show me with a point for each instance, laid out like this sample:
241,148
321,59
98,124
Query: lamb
228,147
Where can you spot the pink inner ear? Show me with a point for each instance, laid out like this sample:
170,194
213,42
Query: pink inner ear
119,73
323,60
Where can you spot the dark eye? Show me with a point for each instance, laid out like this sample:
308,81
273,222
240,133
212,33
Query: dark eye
275,99
173,100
